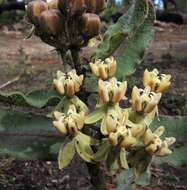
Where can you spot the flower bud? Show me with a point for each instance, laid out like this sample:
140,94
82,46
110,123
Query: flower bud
70,88
157,82
90,24
113,138
34,10
111,124
59,123
51,21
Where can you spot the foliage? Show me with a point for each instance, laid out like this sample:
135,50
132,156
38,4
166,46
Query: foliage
129,37
37,99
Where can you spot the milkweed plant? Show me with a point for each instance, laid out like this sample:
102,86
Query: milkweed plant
107,134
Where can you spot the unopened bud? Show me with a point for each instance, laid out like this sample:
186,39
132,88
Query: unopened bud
91,24
51,22
72,7
96,6
34,10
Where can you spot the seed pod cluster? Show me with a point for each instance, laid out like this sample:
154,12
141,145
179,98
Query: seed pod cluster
69,123
104,69
143,100
157,82
66,23
69,83
154,144
112,91
76,7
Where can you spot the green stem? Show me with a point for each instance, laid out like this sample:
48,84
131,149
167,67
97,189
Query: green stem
75,53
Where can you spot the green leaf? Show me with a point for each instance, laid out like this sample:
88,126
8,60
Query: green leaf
83,149
27,136
125,180
66,153
102,151
129,37
144,178
87,139
137,43
96,115
176,127
37,99
123,159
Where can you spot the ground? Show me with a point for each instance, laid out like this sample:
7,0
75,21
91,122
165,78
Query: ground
30,64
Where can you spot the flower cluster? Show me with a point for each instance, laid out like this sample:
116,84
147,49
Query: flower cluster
120,130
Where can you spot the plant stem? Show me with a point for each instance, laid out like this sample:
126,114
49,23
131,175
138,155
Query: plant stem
67,59
75,53
97,176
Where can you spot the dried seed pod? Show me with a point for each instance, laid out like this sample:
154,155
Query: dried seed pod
34,10
72,7
91,24
95,6
51,21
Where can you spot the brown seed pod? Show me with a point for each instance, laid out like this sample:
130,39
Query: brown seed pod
51,21
72,7
95,6
90,24
34,10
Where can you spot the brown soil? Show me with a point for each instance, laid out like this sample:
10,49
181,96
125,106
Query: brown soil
36,64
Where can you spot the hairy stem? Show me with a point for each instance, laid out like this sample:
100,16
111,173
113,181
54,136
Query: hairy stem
75,53
67,59
97,176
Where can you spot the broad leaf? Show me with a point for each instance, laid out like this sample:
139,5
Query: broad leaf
37,99
83,148
96,115
27,136
102,151
129,37
66,153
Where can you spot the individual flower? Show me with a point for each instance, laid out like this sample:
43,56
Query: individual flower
104,69
154,144
71,123
144,100
118,135
112,91
158,82
112,121
69,83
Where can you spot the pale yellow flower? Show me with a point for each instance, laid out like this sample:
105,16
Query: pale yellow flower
144,100
158,82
